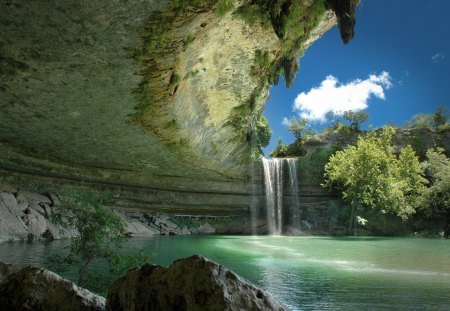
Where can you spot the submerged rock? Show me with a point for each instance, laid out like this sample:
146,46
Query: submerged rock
34,288
193,283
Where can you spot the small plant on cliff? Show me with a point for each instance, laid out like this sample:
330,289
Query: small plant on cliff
223,7
174,80
98,238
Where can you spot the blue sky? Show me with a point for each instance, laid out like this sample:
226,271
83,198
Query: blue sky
398,65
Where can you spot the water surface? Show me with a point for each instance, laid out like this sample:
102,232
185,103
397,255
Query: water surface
307,273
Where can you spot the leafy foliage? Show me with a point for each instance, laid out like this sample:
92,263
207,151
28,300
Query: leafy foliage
370,175
223,7
437,197
420,120
438,120
280,151
174,80
314,164
98,238
356,118
297,127
263,132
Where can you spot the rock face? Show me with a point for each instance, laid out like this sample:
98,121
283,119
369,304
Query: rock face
87,94
28,216
194,283
33,288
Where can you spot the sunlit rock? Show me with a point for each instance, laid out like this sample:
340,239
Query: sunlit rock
193,283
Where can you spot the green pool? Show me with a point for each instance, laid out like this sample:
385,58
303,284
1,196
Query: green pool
308,273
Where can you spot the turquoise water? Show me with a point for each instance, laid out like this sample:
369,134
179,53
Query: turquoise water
308,273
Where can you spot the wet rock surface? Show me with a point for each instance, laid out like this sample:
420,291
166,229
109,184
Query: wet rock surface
193,283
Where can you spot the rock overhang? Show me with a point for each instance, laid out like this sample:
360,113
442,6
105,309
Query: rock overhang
83,99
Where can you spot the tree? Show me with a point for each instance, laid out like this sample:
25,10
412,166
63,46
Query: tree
333,118
297,127
98,237
280,150
370,175
437,197
356,118
420,120
440,117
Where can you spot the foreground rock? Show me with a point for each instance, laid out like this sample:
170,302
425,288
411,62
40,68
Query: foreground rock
5,270
33,288
193,283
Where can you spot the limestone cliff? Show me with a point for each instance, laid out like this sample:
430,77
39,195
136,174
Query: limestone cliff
158,99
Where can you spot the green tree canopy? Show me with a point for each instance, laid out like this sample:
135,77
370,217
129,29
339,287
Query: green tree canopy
440,117
437,197
371,175
297,127
356,118
98,238
280,151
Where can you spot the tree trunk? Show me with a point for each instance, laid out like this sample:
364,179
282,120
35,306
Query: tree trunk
351,220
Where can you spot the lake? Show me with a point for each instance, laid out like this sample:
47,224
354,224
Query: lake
307,273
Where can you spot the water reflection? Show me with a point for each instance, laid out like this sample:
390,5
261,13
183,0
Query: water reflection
307,273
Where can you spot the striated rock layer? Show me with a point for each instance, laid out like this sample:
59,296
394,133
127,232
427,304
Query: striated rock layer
155,100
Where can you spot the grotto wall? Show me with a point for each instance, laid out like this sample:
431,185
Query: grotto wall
156,100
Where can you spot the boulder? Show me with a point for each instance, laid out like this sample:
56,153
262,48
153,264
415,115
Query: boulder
193,283
133,227
11,226
55,200
32,196
5,270
10,202
56,231
206,229
53,232
23,206
164,222
34,288
185,231
36,207
35,223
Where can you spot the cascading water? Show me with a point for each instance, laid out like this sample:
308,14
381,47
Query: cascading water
293,181
273,182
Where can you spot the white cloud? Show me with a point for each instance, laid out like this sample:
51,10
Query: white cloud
437,57
334,96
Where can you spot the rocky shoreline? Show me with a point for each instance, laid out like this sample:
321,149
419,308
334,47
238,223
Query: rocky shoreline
26,215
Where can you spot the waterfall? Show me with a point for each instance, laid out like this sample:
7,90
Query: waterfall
274,192
294,207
